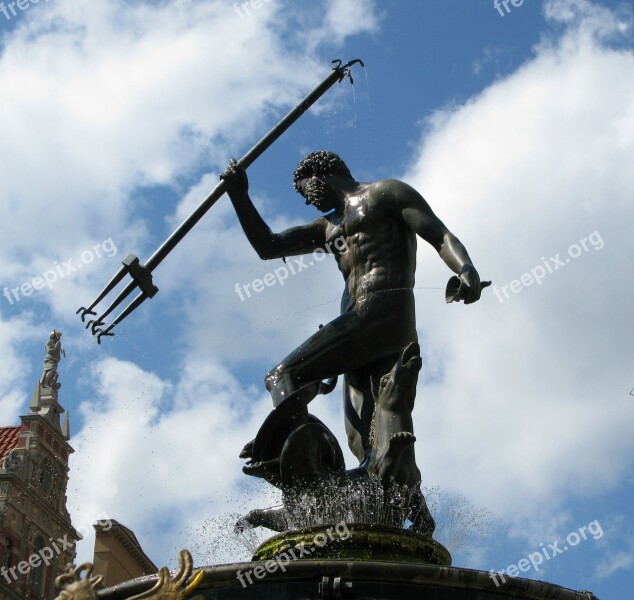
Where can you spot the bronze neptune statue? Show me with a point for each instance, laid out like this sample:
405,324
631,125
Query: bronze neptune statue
371,229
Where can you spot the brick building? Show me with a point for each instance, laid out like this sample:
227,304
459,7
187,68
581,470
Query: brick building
37,539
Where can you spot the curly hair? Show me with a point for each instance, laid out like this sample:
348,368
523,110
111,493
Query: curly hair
320,162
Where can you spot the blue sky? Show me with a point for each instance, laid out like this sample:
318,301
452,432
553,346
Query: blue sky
115,119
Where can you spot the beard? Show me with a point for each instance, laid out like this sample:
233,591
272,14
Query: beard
319,195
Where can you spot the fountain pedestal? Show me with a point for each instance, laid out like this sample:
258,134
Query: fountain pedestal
360,542
353,580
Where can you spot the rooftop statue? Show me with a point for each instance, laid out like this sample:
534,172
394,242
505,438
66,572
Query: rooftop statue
54,352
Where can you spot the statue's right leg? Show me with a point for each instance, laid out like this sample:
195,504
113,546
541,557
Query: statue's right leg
364,343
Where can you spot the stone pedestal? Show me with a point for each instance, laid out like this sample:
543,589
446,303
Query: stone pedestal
358,541
349,580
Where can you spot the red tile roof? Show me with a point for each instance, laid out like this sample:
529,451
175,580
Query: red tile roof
8,440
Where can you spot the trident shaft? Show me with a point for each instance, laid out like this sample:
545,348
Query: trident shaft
141,275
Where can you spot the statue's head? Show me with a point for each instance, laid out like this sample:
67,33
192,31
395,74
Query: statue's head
56,335
311,175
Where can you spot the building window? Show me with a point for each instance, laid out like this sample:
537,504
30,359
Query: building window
36,574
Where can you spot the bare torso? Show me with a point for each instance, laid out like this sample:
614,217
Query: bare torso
381,253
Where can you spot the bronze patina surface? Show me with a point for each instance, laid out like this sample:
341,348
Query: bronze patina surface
364,542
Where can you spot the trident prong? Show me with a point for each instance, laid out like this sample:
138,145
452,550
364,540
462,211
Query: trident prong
345,69
84,312
96,325
105,332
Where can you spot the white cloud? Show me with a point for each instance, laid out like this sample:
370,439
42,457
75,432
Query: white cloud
347,17
531,165
120,96
14,367
525,169
151,448
528,167
614,563
107,97
153,452
590,18
103,99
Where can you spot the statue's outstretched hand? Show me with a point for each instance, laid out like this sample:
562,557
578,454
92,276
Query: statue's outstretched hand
467,286
235,178
470,286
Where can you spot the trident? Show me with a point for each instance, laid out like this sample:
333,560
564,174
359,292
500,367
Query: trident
142,274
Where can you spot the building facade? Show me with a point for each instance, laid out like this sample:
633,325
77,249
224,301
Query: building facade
37,539
118,554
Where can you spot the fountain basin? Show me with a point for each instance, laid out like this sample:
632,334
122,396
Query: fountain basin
350,580
362,541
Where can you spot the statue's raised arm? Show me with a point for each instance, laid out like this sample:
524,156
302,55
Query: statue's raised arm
291,242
